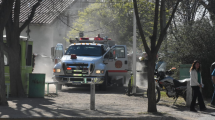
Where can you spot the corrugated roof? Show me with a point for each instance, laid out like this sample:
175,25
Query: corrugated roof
46,12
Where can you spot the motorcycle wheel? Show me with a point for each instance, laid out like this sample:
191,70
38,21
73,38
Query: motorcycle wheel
129,88
157,93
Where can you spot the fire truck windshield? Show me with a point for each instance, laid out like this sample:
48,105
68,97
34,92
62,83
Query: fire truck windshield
84,50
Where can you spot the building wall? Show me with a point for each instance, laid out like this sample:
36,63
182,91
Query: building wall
42,37
46,36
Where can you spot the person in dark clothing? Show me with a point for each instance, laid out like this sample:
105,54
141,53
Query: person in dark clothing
196,84
213,82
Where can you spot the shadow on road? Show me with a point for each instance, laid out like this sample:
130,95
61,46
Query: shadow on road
110,90
33,107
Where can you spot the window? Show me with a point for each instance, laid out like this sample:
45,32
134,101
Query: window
59,47
103,50
120,52
84,50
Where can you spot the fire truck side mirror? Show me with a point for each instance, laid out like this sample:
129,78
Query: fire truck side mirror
115,58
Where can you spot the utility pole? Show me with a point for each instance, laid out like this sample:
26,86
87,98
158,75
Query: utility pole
134,54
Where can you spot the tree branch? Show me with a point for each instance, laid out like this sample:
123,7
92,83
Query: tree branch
155,28
140,28
163,33
204,13
16,14
31,16
204,4
161,15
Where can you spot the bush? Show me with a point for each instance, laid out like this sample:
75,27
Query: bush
191,42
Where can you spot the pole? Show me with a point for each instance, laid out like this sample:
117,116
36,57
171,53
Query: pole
188,94
134,54
92,96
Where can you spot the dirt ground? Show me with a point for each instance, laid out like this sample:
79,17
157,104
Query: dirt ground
75,102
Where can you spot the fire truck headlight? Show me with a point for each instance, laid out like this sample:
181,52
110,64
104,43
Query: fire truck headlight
98,71
56,70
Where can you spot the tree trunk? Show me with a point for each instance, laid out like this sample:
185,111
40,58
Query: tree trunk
5,10
3,100
17,89
151,85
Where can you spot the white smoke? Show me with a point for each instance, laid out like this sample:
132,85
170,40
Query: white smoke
44,65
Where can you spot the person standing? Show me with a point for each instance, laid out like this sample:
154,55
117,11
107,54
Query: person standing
213,81
196,84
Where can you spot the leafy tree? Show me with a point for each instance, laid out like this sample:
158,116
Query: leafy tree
12,46
188,38
191,43
115,20
5,9
155,42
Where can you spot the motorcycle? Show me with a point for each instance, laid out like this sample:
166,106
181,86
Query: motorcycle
173,88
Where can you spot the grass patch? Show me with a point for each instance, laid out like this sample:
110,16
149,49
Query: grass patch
163,94
169,100
165,100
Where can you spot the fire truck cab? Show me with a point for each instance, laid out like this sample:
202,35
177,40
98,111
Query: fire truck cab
90,60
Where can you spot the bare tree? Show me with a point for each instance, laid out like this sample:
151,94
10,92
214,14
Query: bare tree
155,41
5,9
12,47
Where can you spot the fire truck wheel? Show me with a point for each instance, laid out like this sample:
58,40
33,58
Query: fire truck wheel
103,86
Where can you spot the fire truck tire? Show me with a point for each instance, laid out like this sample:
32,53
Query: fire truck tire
121,81
103,86
59,86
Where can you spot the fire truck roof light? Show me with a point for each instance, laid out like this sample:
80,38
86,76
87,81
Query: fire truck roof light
98,38
84,38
